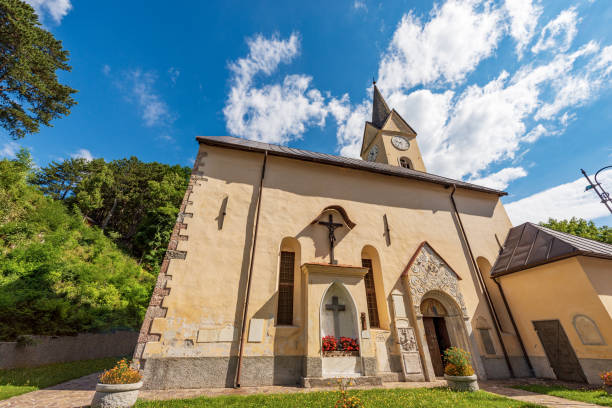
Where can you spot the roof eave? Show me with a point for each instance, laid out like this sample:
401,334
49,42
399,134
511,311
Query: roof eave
547,261
446,184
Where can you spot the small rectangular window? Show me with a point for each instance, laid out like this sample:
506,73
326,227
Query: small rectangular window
285,289
487,342
371,293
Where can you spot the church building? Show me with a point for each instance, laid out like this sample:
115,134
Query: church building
292,267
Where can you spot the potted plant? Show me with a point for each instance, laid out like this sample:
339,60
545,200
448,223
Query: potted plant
458,371
117,387
607,382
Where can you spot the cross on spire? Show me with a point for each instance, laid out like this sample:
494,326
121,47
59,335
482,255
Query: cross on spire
331,226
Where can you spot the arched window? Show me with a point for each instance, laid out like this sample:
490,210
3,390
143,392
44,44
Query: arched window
371,293
405,162
285,288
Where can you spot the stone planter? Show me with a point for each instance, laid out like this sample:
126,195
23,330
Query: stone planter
462,382
608,388
115,395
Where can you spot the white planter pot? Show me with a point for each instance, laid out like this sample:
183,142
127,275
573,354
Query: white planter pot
462,382
115,395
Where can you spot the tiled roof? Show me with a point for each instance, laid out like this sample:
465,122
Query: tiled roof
275,150
529,245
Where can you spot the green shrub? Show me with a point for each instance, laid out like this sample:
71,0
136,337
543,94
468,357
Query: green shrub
457,362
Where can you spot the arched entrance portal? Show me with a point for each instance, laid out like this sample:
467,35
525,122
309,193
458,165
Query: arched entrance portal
436,333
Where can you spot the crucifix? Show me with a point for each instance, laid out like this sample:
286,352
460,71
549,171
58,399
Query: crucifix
336,308
331,226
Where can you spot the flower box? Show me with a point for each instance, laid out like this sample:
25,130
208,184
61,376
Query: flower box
341,353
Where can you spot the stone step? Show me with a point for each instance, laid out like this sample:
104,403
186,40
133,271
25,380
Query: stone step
312,382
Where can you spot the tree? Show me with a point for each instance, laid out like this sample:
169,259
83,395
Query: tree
582,228
135,203
30,93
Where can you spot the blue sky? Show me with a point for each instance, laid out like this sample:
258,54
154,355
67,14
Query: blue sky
513,94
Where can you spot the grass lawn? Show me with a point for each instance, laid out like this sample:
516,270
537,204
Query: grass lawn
416,397
599,397
18,381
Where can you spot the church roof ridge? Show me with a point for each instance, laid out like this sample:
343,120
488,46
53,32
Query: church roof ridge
306,155
529,245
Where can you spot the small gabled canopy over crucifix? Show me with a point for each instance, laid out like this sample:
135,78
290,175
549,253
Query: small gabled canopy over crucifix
332,226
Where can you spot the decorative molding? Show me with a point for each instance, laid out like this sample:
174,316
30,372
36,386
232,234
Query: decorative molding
428,273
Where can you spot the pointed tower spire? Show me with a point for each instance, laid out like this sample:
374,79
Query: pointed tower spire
380,110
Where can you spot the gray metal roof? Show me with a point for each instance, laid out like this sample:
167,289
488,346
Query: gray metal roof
380,110
275,150
529,245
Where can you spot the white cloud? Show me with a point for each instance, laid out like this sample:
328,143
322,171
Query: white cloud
141,90
274,113
445,49
501,179
524,15
9,150
57,9
360,5
174,74
82,154
559,33
561,202
106,69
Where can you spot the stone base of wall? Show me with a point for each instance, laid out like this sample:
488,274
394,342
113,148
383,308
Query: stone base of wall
61,349
206,372
210,372
495,367
593,367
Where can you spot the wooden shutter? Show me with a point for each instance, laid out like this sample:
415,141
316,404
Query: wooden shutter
285,289
371,293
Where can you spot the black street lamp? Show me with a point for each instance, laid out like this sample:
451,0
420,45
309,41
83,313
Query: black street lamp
603,194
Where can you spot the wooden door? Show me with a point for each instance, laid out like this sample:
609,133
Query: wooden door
432,344
559,351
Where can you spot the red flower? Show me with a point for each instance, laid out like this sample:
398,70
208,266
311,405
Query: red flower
330,343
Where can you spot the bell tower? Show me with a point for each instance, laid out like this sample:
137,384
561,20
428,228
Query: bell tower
389,139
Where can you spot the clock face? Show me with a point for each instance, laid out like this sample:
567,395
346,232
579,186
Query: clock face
373,153
400,142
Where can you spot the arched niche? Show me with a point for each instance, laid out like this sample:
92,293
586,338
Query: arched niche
369,252
345,321
292,245
587,330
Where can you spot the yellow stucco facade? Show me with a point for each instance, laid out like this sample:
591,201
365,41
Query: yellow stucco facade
576,292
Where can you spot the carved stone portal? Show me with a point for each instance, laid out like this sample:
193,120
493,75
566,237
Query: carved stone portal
428,272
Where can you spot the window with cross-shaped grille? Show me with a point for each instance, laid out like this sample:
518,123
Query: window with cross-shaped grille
370,293
285,289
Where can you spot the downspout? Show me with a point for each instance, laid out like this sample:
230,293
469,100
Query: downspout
482,282
245,306
518,334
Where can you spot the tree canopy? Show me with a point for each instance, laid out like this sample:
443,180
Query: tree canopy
582,228
30,93
58,275
134,202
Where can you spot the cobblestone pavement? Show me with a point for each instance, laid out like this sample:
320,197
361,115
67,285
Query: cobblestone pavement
78,393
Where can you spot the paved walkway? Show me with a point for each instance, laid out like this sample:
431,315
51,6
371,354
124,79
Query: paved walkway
78,393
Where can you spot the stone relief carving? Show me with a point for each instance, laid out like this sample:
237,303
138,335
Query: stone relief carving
407,340
429,272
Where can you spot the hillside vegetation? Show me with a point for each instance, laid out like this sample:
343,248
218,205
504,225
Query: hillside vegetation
58,274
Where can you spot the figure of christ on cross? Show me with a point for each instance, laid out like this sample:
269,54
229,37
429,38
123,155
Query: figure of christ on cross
331,226
336,308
